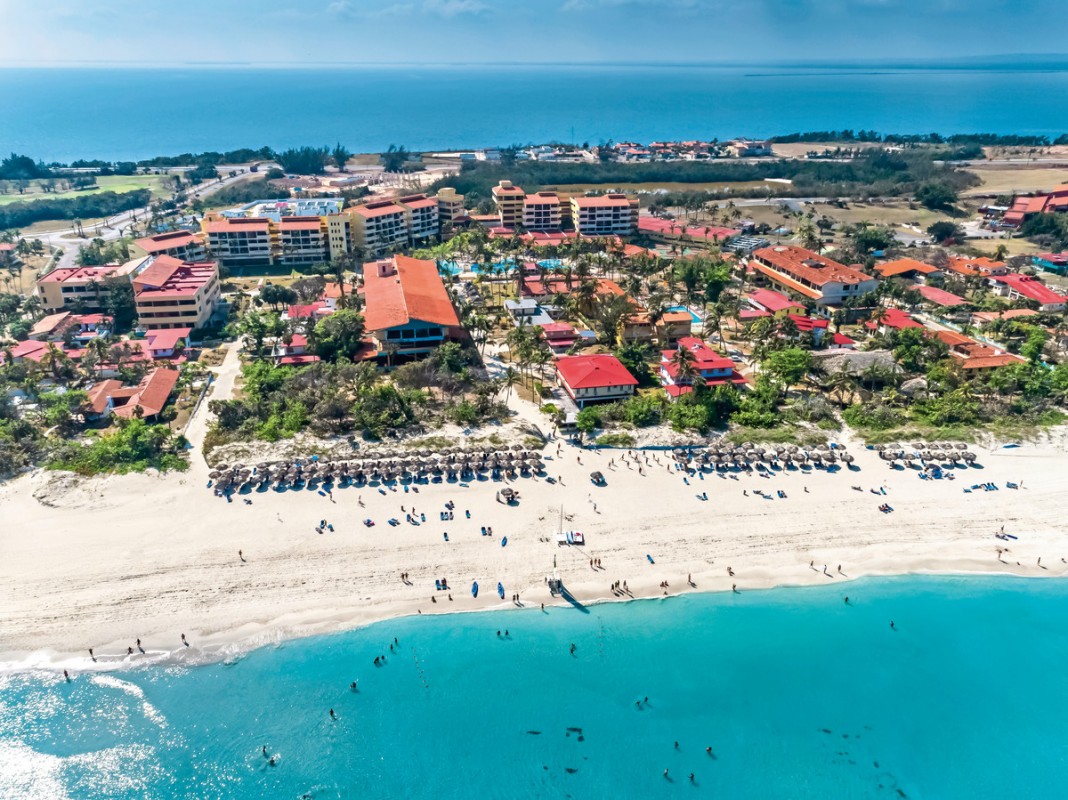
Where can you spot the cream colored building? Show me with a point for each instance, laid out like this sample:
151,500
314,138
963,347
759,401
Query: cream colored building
605,215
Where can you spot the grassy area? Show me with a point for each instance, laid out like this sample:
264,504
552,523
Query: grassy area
1015,247
1005,429
784,434
160,185
1005,179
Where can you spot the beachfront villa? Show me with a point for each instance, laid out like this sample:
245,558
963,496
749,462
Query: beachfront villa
146,400
802,272
594,379
713,368
408,311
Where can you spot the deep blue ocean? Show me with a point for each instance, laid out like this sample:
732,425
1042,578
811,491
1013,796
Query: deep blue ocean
797,694
64,114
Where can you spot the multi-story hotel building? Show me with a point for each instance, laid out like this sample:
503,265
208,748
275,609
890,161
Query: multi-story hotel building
300,241
240,242
541,211
408,310
379,226
450,204
82,287
183,245
605,215
509,200
422,217
173,294
802,272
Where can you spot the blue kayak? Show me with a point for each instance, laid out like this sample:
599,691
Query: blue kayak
504,542
500,590
474,589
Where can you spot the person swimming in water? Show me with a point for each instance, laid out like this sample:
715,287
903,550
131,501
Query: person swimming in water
332,714
264,751
353,686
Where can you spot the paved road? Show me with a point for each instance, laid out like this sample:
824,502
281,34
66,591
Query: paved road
71,245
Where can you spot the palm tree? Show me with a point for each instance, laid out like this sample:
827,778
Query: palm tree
683,360
510,379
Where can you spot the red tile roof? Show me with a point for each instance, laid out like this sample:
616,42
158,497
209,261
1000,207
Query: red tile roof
99,274
772,301
300,224
1031,287
150,395
166,241
590,372
166,338
168,278
940,296
413,290
382,208
894,318
238,224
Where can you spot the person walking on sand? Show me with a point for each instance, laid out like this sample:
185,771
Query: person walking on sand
241,555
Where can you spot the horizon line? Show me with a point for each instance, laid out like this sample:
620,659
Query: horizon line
1046,60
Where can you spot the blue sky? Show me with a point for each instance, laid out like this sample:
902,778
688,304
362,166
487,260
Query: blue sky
41,32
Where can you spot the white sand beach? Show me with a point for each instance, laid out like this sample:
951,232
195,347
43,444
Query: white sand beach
102,562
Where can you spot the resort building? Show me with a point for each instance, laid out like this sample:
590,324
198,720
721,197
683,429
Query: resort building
183,245
672,326
710,366
8,256
773,302
509,201
972,356
422,217
594,379
892,319
408,311
810,275
78,329
560,336
1027,287
240,242
971,267
300,241
606,215
145,400
83,288
166,343
541,211
172,294
377,227
909,269
450,204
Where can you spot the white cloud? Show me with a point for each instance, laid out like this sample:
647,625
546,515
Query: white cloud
452,8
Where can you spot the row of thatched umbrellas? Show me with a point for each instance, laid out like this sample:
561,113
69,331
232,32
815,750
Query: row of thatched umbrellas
380,466
945,452
747,453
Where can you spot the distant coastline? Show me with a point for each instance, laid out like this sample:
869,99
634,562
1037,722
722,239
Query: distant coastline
62,113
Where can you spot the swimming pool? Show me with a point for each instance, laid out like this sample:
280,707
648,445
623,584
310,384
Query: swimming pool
690,311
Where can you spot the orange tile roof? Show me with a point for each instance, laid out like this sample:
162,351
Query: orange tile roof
816,269
413,291
902,265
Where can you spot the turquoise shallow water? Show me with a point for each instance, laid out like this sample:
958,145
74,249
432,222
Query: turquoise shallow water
799,696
